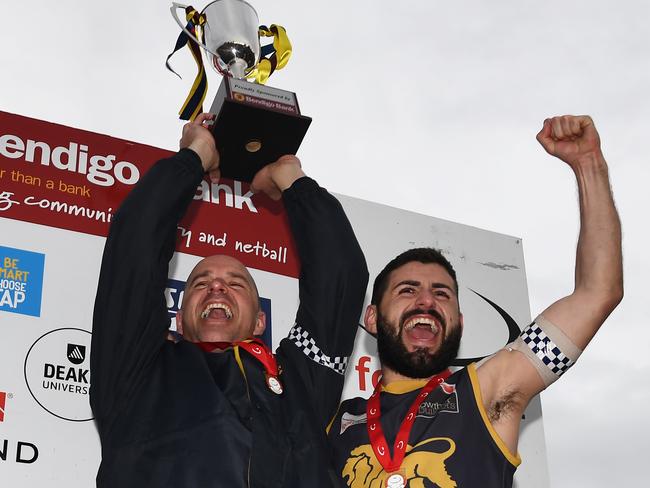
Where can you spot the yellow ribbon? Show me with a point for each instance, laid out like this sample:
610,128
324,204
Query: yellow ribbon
196,96
278,60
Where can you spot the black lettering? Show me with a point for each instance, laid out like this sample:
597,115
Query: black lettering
83,376
49,371
60,372
71,375
19,452
3,451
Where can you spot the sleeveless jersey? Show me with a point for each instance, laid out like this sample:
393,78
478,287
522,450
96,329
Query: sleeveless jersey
451,445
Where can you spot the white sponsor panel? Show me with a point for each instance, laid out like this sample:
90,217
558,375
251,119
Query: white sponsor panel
57,373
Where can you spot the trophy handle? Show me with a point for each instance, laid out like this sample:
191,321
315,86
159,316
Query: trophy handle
175,6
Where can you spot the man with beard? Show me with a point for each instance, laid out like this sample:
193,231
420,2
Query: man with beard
424,426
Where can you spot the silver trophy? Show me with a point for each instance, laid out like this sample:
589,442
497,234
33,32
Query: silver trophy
230,32
255,124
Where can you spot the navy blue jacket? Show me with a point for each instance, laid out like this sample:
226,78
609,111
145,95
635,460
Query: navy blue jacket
171,415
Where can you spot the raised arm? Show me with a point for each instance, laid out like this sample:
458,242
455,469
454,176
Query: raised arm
599,264
333,280
509,379
130,316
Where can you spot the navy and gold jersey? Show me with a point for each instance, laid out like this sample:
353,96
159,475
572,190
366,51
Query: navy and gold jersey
452,443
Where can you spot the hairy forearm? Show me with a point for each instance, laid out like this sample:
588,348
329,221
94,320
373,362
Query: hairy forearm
599,267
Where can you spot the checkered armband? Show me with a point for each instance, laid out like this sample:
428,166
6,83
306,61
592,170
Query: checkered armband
548,349
303,341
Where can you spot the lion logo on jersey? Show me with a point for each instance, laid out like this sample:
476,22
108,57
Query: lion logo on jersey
421,463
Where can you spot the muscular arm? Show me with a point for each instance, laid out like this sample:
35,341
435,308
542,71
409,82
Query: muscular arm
508,380
599,264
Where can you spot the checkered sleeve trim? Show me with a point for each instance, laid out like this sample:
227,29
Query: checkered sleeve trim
301,338
545,349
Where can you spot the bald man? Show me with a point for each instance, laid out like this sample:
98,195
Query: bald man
215,407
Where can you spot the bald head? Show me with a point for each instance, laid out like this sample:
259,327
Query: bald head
220,302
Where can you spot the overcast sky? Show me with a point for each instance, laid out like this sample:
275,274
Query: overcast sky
428,106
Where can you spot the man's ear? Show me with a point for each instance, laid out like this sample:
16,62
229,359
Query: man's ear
370,319
260,324
179,322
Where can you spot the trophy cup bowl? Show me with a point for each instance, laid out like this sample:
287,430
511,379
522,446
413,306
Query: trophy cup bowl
231,36
255,124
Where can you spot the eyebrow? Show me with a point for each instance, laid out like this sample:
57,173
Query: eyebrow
418,283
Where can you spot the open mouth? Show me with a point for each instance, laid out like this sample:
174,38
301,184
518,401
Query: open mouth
217,311
422,328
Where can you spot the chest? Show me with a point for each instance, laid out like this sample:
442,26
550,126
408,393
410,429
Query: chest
447,436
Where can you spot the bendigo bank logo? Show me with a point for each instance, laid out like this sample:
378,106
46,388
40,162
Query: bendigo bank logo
423,465
57,373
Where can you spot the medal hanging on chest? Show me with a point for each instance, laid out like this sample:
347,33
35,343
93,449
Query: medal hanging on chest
396,478
259,350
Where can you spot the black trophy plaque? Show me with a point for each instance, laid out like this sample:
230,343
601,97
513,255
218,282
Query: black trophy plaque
254,125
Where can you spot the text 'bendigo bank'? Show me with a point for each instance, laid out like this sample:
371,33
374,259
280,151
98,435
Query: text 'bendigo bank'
102,170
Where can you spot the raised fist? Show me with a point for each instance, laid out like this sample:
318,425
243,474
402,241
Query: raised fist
571,138
197,136
276,177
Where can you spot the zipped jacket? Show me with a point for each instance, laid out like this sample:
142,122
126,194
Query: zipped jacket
172,415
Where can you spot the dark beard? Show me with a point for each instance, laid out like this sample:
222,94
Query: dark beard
420,363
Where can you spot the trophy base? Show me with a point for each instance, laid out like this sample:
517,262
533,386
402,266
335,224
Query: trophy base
250,133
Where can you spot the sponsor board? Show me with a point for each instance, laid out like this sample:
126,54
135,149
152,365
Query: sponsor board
21,452
50,190
75,179
57,373
3,403
21,281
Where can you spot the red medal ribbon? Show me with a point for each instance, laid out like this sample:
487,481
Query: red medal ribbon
259,350
376,433
255,347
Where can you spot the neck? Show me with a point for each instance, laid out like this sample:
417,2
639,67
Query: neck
389,376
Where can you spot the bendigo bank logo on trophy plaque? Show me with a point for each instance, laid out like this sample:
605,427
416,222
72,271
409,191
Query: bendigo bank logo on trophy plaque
255,124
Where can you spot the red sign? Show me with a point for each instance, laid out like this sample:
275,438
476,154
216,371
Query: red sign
74,179
3,400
